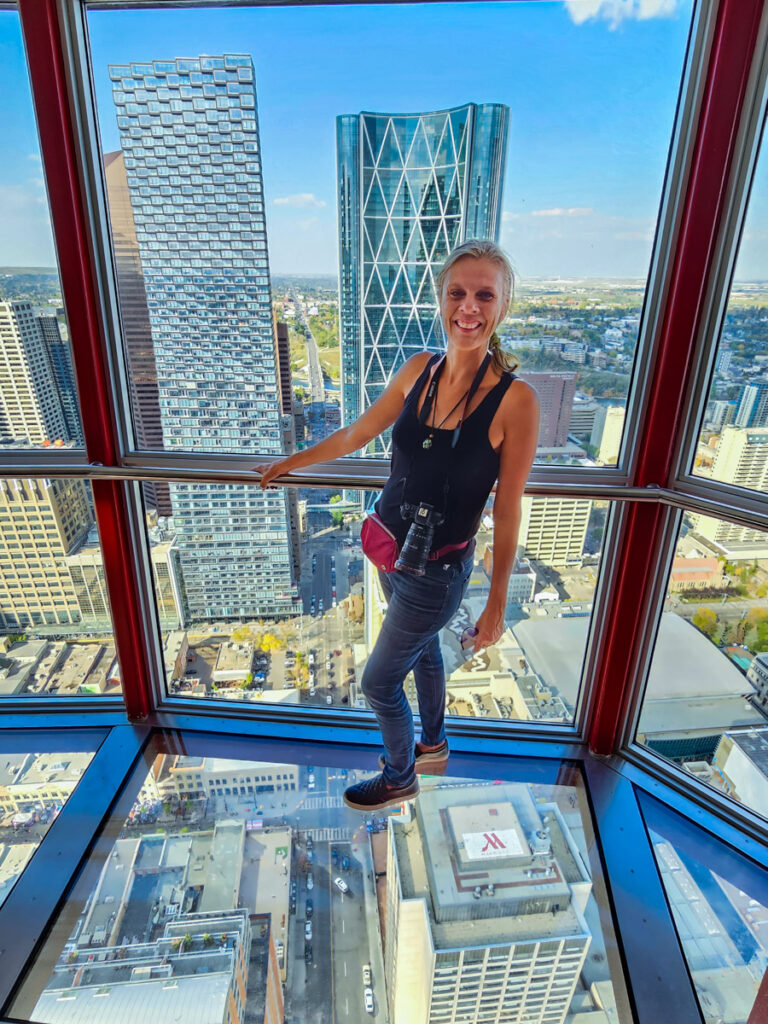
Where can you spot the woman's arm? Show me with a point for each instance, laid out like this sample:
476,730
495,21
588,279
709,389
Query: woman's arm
374,420
518,448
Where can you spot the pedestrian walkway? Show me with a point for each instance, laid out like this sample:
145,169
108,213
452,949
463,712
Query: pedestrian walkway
328,835
317,803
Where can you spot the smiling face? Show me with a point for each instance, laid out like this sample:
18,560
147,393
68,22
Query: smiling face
471,302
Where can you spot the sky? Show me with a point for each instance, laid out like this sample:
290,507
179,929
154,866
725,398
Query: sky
592,87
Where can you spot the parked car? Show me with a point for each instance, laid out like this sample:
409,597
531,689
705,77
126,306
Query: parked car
308,931
329,699
341,884
308,954
310,907
368,1000
367,974
310,844
310,882
334,855
345,864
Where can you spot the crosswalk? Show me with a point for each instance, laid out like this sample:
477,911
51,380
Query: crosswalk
317,803
329,835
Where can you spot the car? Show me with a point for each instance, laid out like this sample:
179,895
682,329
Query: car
310,907
368,1000
341,884
343,773
345,864
293,887
310,882
329,699
308,954
310,855
312,691
311,782
308,931
279,949
337,653
310,844
312,654
334,855
320,606
367,975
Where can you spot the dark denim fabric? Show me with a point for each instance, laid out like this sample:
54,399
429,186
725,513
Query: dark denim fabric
417,609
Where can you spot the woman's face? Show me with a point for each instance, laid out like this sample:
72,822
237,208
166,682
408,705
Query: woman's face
471,302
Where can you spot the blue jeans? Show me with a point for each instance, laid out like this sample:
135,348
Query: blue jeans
418,608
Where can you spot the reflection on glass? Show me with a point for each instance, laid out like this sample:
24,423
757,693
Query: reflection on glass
362,207
316,653
248,888
706,705
721,915
54,610
33,789
733,439
38,398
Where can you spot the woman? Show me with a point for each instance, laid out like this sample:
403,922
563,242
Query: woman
460,421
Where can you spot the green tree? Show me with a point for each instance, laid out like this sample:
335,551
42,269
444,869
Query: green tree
705,620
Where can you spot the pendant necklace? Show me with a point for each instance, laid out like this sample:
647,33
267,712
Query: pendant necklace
430,403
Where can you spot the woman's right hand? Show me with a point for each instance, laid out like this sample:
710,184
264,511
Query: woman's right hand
268,473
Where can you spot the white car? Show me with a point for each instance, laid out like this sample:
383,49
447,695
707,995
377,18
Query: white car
341,884
369,1000
308,931
310,882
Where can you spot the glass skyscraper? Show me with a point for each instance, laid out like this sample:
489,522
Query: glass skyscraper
411,188
190,140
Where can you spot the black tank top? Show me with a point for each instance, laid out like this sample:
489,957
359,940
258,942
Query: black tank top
419,474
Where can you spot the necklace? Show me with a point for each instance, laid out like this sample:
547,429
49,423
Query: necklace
430,402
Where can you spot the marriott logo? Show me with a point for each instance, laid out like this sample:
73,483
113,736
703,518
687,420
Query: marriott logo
493,842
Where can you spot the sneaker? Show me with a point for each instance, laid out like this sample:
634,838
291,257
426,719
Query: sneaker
428,761
373,794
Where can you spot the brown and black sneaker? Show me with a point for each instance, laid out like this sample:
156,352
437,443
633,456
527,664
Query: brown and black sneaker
428,762
373,794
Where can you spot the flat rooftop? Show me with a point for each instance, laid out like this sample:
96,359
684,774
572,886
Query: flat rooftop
755,745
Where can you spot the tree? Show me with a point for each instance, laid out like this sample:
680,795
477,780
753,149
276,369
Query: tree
338,516
705,620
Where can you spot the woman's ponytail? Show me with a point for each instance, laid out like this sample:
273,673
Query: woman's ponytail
502,361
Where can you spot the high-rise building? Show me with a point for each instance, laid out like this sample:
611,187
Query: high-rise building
555,392
486,893
134,317
553,530
411,188
190,141
741,458
752,409
41,523
31,412
64,375
607,432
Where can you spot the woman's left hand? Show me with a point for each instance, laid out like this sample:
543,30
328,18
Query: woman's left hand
489,628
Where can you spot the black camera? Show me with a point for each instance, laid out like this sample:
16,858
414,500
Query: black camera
418,543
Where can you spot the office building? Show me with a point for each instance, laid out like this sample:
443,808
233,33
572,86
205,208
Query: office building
741,458
31,412
134,320
752,408
607,432
41,522
411,188
719,414
486,893
190,142
61,363
553,530
555,392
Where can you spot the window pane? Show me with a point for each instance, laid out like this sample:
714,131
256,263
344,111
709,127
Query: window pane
54,610
34,785
38,399
719,904
706,703
221,216
229,877
733,438
268,597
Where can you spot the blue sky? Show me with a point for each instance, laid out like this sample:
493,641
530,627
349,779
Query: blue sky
592,86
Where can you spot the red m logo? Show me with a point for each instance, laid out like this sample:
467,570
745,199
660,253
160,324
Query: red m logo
492,842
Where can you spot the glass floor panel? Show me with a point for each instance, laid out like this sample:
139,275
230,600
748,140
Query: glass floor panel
241,889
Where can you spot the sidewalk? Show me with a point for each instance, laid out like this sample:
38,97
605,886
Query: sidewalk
375,953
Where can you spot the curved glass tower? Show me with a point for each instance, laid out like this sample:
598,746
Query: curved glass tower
411,187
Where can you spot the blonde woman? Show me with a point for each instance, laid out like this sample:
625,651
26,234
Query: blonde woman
461,421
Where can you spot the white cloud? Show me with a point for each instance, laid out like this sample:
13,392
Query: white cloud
35,157
301,199
616,11
561,211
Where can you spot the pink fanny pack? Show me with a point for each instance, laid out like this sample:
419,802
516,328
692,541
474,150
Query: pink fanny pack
380,544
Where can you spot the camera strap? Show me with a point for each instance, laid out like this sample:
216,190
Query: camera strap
431,397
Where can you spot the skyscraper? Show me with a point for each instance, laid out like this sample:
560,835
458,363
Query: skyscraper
411,188
486,894
31,412
556,392
752,410
64,375
189,135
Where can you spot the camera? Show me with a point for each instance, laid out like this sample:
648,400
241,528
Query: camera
418,542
